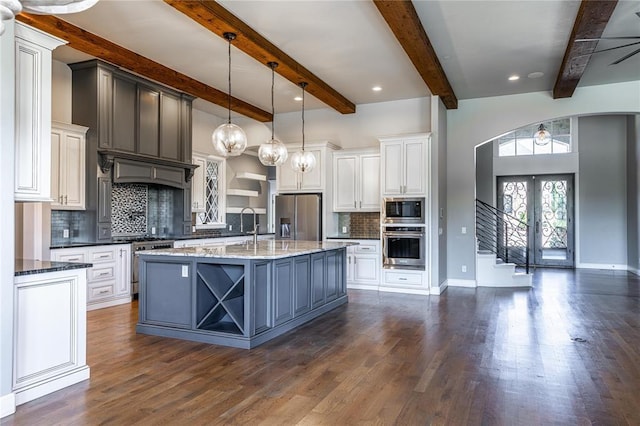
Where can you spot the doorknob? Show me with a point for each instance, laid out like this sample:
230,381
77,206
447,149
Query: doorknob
537,226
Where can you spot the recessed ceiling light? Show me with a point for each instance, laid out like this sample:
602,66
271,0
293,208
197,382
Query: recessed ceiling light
297,98
514,77
536,74
376,88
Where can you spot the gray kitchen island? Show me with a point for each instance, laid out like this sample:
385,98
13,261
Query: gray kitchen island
239,295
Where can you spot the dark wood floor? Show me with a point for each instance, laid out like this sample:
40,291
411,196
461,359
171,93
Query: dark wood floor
470,356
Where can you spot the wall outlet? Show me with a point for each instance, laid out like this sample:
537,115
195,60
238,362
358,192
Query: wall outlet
230,227
185,271
153,230
464,229
464,268
344,229
65,233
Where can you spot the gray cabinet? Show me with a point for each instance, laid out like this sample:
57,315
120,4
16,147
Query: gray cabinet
132,115
168,294
148,121
261,300
318,284
237,301
282,291
302,285
123,125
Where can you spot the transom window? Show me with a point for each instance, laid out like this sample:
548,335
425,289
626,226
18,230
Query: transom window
522,141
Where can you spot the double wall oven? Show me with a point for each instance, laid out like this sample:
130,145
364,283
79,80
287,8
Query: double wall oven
404,233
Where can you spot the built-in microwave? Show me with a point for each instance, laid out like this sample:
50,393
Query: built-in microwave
403,210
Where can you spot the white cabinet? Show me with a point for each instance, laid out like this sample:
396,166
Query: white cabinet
50,334
404,281
68,166
404,169
363,264
198,184
33,113
288,180
356,186
109,280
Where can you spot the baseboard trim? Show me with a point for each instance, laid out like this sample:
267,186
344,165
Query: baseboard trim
633,270
40,389
7,404
438,290
454,282
606,266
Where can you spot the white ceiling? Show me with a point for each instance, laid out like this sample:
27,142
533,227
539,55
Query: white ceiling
348,45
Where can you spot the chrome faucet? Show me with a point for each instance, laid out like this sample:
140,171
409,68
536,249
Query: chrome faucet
255,224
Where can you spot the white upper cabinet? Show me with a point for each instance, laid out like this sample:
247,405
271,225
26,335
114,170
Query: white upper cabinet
405,165
198,184
68,166
313,181
33,113
356,185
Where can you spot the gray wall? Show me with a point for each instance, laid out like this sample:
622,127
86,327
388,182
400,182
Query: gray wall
484,173
633,188
442,192
603,190
7,83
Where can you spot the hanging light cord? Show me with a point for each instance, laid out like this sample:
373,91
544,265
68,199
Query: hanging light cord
303,85
229,37
273,66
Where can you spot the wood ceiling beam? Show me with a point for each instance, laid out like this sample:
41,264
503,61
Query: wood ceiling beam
405,24
592,18
219,20
101,48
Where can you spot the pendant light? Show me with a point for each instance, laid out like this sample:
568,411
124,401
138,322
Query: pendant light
229,140
273,152
303,161
542,136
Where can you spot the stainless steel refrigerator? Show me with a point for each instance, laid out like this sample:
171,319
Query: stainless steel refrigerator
299,217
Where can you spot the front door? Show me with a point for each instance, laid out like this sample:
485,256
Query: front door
545,202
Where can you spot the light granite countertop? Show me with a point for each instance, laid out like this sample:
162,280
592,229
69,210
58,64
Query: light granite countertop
270,249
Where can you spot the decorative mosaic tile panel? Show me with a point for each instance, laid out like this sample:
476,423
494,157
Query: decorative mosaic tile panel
129,209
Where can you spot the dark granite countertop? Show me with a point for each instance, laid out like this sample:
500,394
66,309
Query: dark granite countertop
32,267
129,241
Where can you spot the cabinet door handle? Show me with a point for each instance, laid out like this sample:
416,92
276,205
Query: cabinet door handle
349,259
360,204
61,199
354,204
355,260
66,201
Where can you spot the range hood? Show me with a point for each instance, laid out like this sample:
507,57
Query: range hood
138,168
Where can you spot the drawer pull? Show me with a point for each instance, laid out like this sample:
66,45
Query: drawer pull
103,256
402,279
73,259
102,274
103,292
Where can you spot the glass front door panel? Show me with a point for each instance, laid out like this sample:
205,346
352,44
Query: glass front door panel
553,219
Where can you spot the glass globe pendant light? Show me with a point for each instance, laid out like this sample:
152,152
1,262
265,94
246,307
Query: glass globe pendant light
303,161
542,136
273,152
229,140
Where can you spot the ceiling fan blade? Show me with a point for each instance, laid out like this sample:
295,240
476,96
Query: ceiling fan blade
625,57
617,47
609,38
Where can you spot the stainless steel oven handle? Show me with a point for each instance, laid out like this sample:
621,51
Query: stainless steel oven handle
403,234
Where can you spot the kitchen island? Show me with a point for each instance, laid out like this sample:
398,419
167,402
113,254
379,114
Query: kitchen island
239,295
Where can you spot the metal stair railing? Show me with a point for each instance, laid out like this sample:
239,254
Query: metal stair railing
502,234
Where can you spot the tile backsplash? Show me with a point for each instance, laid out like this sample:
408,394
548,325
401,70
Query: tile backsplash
359,225
129,209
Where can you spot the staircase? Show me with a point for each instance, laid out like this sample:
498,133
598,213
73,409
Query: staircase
502,258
